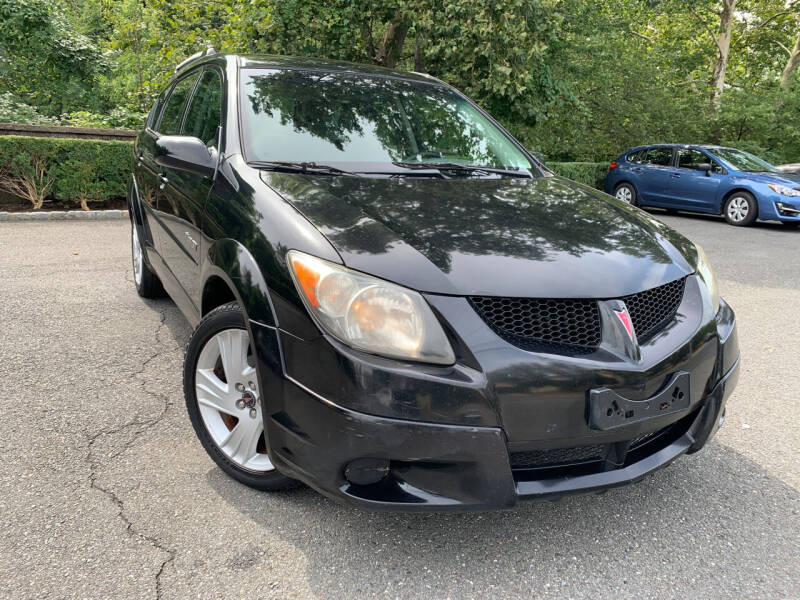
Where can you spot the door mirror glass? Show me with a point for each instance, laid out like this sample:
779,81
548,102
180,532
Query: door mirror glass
185,153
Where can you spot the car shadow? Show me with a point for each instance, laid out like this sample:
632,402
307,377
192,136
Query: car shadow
678,525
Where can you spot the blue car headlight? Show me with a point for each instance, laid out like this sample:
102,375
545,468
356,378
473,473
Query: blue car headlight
708,276
784,190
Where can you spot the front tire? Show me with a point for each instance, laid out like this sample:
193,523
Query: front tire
626,193
221,390
741,209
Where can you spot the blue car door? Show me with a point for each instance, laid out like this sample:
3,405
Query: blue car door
690,187
654,177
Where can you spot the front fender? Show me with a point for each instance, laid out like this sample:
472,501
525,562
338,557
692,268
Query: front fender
233,263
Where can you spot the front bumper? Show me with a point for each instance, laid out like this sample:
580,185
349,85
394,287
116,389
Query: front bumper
436,465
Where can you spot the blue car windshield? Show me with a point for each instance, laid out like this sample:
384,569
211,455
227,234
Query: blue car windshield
740,160
295,115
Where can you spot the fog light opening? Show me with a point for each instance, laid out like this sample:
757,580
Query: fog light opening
787,210
366,471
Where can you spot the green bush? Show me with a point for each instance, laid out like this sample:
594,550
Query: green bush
589,173
70,170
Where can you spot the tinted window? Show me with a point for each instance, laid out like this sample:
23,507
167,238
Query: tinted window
205,109
691,159
659,156
636,157
173,112
342,118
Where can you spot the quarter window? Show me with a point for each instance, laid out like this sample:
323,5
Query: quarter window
173,112
659,157
205,110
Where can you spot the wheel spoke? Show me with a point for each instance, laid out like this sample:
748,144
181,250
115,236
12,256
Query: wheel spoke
241,443
233,345
214,393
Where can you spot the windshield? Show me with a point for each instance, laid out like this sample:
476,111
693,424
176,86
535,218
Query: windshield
365,122
740,160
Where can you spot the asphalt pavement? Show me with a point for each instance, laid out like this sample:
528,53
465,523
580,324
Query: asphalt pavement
106,493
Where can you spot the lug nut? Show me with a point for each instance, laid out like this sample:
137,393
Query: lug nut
239,387
251,385
253,413
240,403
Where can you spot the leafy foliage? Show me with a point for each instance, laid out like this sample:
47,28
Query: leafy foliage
591,174
573,79
79,171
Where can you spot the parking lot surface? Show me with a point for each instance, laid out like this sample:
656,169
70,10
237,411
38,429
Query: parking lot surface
105,492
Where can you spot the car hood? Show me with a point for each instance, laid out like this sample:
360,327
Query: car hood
788,179
544,237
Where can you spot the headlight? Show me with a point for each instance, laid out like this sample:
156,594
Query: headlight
368,313
783,190
707,275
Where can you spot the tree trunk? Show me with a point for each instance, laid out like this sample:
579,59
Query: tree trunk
393,41
791,65
723,41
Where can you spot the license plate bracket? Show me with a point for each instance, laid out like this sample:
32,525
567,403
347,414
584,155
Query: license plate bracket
608,410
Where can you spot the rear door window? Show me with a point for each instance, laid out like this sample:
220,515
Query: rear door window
172,117
661,156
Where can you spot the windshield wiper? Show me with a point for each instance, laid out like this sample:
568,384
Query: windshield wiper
299,167
448,166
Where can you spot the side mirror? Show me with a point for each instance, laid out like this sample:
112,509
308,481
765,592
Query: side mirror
705,167
185,153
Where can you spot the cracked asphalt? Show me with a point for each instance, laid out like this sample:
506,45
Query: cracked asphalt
104,491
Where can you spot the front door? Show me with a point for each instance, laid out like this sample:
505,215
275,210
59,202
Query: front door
691,188
185,193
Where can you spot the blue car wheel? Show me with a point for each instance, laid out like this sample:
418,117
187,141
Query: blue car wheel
741,209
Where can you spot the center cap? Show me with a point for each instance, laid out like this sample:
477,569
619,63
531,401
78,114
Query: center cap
248,400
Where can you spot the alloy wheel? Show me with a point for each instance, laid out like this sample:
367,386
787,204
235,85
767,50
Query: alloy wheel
738,209
624,194
227,396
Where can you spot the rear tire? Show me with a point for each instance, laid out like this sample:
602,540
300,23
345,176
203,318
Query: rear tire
741,209
626,193
147,283
218,378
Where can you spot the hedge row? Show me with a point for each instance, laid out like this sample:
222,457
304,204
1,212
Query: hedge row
70,170
83,171
593,174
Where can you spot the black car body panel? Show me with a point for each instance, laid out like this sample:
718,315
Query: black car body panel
505,422
569,239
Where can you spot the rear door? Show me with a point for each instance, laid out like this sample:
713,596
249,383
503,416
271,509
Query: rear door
656,168
185,193
691,188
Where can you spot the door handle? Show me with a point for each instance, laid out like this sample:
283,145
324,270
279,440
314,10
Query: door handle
164,182
676,175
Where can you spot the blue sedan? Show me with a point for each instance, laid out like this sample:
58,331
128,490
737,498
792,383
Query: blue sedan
707,179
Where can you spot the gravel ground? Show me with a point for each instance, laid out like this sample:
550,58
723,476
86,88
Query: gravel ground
104,491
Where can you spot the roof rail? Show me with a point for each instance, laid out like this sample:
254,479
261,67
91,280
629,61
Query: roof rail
207,52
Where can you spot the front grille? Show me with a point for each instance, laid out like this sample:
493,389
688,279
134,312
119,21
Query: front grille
559,456
565,324
652,309
560,322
